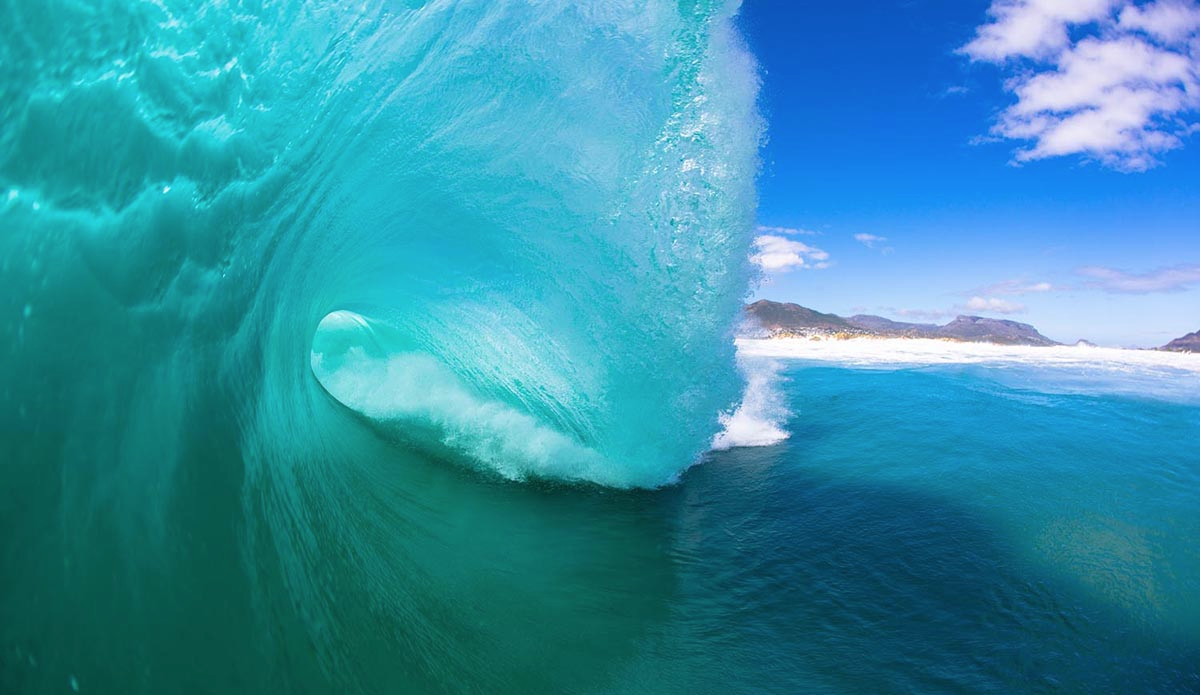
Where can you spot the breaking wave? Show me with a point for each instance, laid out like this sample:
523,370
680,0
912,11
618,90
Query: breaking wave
279,276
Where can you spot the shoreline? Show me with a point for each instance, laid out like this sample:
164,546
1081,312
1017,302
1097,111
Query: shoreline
928,351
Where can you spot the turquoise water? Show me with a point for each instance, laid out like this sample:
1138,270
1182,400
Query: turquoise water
371,349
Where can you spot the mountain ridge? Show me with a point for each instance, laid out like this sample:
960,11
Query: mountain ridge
1187,343
785,319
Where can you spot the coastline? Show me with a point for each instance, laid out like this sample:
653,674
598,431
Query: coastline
926,351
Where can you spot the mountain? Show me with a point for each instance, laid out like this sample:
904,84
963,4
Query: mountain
878,324
777,316
977,329
1188,343
792,320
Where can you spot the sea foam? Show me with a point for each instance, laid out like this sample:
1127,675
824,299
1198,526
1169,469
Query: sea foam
1079,369
759,419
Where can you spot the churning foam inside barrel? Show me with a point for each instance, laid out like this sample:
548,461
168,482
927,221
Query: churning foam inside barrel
419,400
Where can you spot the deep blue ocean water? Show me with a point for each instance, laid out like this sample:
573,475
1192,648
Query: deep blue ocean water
952,529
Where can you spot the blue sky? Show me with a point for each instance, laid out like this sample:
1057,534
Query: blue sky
1037,160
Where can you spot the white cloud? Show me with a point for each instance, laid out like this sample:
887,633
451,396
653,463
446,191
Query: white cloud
1171,279
994,305
1017,287
780,254
1167,20
870,240
787,231
1031,28
1106,79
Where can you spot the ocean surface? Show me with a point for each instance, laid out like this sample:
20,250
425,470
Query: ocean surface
386,347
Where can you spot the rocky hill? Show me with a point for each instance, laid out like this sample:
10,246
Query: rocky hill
778,316
1188,343
882,326
977,329
780,319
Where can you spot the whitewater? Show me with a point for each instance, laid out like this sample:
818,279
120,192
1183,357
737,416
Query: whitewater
1149,374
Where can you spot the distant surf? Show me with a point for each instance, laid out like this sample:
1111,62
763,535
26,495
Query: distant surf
1080,368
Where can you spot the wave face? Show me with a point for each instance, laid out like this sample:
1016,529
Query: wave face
503,236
